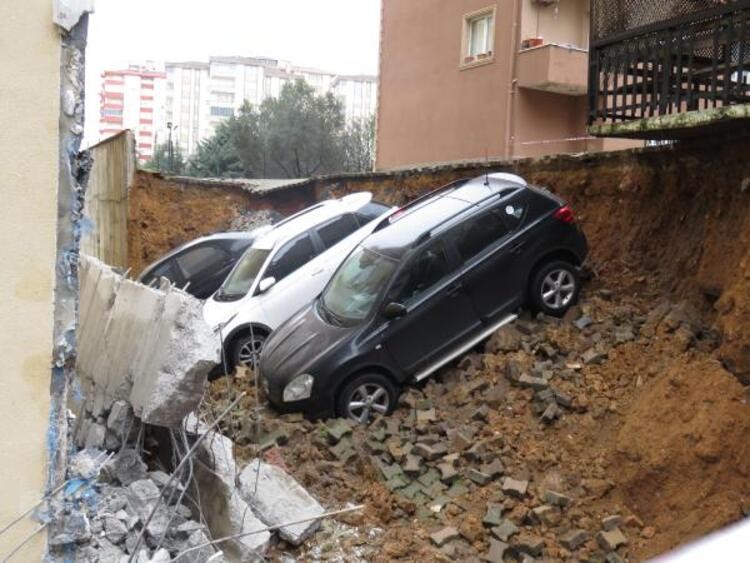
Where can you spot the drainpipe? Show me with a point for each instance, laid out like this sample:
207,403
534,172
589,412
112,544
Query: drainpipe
510,136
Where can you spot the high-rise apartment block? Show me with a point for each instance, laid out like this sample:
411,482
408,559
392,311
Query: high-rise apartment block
133,98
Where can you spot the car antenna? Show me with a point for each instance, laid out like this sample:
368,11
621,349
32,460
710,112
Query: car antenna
486,168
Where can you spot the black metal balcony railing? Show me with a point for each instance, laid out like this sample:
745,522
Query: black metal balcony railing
641,67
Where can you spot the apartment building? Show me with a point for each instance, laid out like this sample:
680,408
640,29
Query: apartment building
469,79
133,98
358,93
202,95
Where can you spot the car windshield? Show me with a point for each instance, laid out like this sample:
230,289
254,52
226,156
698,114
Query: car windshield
241,279
356,285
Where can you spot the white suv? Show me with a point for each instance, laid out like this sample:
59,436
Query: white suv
285,269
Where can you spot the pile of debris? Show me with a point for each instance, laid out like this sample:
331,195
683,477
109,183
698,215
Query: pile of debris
508,453
151,482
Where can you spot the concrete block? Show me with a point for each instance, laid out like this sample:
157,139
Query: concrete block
95,436
610,540
529,544
557,499
496,553
278,498
574,539
514,487
120,419
444,535
531,382
611,522
142,345
504,530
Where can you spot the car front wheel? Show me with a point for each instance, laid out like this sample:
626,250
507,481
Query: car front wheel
247,348
366,396
554,288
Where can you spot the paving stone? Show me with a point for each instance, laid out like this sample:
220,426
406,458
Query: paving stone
551,413
459,441
336,429
611,522
413,465
545,514
426,416
457,489
557,499
531,382
411,490
344,451
497,394
448,472
529,544
513,370
494,515
591,356
574,539
610,540
478,477
430,453
504,530
614,558
378,434
497,551
482,413
545,395
375,446
397,482
563,399
494,469
583,322
514,487
390,471
441,537
430,477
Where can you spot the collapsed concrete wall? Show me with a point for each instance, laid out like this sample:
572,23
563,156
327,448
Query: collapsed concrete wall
148,347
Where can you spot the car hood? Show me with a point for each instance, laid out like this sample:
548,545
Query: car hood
217,313
299,343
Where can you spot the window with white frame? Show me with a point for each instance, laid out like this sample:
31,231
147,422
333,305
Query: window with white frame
479,36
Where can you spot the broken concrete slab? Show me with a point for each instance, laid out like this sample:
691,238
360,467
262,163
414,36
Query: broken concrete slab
142,345
276,497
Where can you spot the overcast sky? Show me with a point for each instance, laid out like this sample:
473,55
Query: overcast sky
337,35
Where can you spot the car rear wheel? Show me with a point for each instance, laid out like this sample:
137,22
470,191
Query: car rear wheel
247,348
554,288
367,396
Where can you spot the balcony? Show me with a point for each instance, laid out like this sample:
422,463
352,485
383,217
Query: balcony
669,70
553,68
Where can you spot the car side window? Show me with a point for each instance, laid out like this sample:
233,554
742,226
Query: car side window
201,259
479,233
423,273
337,230
293,255
514,211
371,211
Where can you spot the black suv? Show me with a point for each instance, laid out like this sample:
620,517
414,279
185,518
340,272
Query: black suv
432,281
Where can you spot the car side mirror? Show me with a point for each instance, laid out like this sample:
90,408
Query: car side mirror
394,310
266,284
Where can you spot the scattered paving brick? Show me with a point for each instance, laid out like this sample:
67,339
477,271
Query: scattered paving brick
390,471
494,469
574,539
592,356
612,539
504,530
482,413
563,399
478,477
497,551
430,453
457,489
531,382
448,472
557,499
583,322
514,487
611,522
426,416
344,451
336,429
614,558
551,413
494,515
413,465
529,544
545,514
441,537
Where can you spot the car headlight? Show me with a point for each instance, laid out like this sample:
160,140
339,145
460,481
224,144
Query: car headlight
299,388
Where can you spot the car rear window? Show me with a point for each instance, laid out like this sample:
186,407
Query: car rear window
201,259
338,229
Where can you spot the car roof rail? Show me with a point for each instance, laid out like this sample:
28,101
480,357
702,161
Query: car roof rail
415,202
300,214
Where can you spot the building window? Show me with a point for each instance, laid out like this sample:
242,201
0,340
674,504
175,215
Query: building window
221,112
478,37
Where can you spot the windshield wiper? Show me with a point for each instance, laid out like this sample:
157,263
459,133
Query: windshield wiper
329,316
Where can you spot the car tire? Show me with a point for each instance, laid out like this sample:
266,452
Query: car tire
243,346
554,288
374,393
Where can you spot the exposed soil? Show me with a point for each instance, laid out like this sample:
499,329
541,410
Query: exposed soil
656,433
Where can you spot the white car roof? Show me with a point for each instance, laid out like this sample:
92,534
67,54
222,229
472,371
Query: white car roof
311,217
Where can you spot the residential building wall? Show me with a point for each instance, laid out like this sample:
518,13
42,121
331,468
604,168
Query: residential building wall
134,99
30,112
435,105
202,95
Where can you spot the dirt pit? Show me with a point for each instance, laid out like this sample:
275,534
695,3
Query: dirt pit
530,445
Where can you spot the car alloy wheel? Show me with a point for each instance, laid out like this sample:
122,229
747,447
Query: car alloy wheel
558,289
248,351
366,401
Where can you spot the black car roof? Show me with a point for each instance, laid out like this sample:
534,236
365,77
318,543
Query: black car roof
405,228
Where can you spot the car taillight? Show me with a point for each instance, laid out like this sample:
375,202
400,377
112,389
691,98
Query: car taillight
565,214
